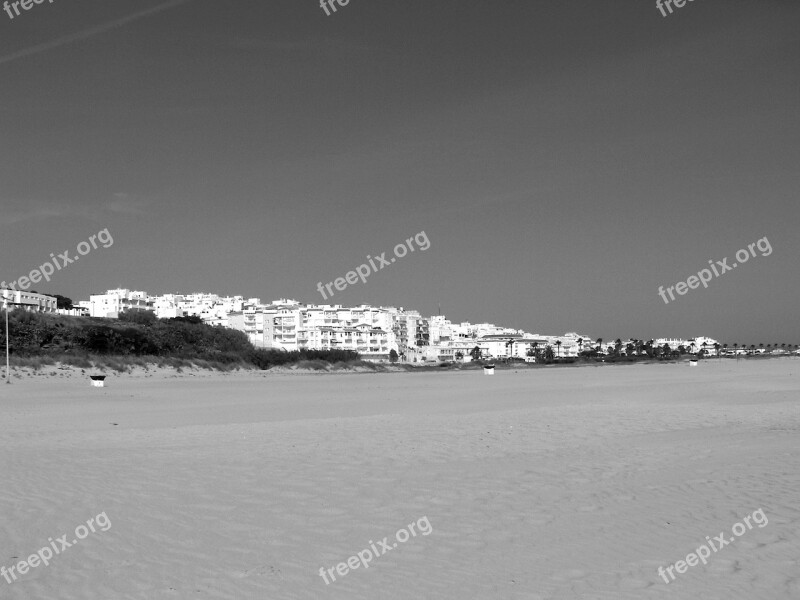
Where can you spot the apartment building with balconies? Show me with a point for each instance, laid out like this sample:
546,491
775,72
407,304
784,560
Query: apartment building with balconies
30,301
114,302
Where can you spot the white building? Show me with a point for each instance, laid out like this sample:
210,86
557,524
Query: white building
211,308
31,300
500,345
167,306
256,324
75,311
289,325
572,344
411,330
452,351
286,319
703,343
527,343
113,302
440,329
673,343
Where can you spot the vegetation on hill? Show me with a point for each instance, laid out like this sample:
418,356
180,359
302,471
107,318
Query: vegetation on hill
137,336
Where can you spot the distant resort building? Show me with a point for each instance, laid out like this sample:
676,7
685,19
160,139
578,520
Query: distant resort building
30,301
673,343
692,344
703,343
113,302
75,311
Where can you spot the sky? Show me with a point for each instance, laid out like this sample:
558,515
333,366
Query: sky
564,159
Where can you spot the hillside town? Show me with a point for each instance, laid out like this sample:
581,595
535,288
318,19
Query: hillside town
377,333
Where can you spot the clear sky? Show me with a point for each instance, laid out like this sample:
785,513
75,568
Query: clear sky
565,159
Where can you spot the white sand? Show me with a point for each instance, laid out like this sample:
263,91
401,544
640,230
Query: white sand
551,483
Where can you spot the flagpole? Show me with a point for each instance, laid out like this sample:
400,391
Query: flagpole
8,369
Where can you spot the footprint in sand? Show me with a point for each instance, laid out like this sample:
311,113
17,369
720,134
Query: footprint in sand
261,570
570,575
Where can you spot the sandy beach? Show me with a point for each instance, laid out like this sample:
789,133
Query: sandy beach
537,484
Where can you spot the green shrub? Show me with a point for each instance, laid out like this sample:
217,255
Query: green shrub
139,339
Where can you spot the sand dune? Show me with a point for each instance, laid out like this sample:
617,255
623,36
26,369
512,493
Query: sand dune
548,483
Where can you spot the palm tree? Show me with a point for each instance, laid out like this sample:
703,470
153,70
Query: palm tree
717,347
510,343
599,343
558,347
580,345
692,345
